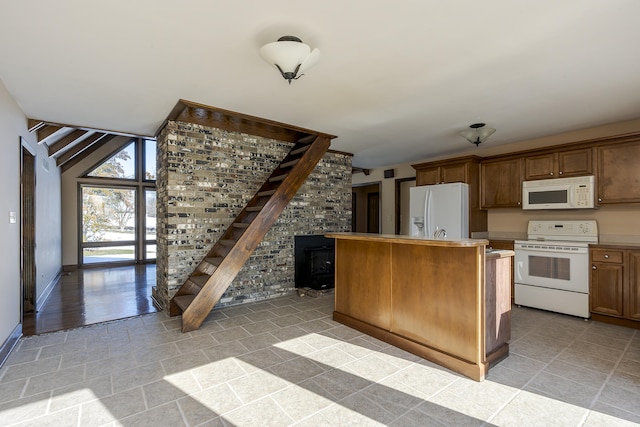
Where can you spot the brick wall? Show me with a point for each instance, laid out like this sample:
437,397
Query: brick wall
206,176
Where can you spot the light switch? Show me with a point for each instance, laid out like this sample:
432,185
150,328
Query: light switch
12,217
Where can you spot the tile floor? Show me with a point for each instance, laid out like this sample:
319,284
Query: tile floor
285,362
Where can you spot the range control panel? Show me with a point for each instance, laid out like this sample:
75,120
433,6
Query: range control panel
571,231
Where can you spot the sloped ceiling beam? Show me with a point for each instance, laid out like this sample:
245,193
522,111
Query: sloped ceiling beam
66,141
35,125
83,145
47,131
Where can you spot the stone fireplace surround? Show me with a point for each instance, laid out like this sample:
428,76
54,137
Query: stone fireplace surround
206,176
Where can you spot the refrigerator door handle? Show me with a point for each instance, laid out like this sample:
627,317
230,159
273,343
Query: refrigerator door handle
427,213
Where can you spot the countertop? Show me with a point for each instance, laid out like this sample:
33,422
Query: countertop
395,238
498,253
617,245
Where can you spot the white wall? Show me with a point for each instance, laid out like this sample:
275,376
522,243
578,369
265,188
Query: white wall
13,125
616,223
48,221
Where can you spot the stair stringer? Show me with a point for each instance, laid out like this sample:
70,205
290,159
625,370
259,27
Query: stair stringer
239,253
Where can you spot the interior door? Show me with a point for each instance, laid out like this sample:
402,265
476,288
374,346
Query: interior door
27,229
403,212
373,212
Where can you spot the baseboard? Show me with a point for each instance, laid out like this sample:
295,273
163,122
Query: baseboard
44,296
10,343
615,321
69,268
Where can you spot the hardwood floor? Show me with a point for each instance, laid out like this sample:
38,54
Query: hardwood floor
84,297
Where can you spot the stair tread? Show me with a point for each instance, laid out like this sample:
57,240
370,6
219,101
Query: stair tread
199,279
266,193
216,260
227,242
254,208
307,139
241,224
278,178
299,150
183,301
290,163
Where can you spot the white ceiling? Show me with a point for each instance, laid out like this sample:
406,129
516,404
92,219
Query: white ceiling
396,81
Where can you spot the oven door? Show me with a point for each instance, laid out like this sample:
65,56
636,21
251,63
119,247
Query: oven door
552,266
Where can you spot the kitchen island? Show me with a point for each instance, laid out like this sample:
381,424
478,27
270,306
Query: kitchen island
444,300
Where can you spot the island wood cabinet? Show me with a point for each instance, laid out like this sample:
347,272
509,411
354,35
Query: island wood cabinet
614,293
507,245
501,183
559,164
444,300
461,169
618,175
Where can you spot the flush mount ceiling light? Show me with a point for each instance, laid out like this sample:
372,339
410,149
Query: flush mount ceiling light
290,56
477,133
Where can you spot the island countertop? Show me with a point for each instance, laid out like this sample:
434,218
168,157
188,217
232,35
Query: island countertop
397,238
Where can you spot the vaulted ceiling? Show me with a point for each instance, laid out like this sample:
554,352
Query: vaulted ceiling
396,81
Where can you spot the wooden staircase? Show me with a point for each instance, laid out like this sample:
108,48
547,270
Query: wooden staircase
213,275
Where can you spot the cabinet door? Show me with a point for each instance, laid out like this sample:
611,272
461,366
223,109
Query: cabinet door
428,176
633,291
501,183
605,295
575,162
540,167
454,173
618,173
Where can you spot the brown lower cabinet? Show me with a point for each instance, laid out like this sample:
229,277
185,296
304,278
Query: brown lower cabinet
615,284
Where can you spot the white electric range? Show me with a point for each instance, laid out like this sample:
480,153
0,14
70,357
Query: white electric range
552,266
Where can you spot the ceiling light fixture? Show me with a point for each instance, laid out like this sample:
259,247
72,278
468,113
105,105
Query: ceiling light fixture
477,133
290,56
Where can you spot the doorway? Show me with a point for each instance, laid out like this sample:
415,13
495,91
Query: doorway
366,208
403,186
27,228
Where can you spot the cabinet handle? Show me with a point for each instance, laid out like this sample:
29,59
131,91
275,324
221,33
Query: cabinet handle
594,267
560,173
606,256
551,173
518,203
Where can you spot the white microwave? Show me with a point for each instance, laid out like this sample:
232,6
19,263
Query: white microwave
559,193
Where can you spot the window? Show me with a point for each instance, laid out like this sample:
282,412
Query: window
120,165
118,207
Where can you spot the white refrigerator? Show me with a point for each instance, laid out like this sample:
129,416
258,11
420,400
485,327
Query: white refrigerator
439,211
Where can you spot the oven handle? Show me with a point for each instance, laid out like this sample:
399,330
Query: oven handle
518,273
551,251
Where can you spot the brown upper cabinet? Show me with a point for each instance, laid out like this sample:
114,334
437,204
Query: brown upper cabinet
559,164
461,169
443,172
501,183
613,161
618,173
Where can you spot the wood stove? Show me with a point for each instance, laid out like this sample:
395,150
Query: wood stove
314,262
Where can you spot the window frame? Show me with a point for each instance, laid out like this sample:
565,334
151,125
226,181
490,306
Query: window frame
140,184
